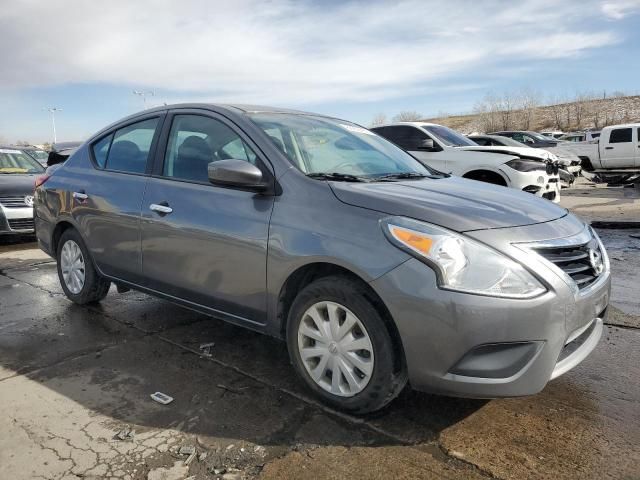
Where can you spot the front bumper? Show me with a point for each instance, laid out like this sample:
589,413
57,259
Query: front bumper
485,347
16,221
537,182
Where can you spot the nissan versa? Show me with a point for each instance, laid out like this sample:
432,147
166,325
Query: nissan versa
374,268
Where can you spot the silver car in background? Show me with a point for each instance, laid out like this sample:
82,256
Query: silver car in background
373,268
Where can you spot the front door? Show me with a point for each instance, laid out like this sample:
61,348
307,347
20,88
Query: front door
621,150
203,243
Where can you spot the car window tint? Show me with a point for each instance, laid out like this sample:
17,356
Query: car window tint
621,135
408,138
195,141
130,147
101,149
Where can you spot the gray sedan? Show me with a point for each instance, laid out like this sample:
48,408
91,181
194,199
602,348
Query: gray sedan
373,268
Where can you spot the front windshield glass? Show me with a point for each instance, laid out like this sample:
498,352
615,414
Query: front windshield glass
510,142
541,138
37,154
318,145
449,137
15,161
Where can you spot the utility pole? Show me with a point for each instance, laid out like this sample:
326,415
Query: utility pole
52,111
144,94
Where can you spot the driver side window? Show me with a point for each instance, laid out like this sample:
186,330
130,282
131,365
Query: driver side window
195,141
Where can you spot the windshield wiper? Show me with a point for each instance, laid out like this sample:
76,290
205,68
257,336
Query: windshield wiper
335,176
402,176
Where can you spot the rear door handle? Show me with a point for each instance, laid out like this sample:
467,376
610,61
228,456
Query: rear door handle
160,208
80,195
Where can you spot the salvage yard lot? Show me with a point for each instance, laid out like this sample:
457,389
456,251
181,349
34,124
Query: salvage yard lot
72,378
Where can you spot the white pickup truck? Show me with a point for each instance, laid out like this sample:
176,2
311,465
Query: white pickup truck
618,148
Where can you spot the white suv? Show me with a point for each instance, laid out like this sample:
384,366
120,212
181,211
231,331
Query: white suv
448,151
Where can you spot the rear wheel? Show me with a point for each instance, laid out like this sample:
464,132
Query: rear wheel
341,347
80,281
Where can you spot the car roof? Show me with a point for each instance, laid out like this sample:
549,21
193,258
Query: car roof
214,107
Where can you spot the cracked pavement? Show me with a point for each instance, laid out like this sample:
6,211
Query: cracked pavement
72,377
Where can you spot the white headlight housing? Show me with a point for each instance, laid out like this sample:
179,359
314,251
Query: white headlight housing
460,263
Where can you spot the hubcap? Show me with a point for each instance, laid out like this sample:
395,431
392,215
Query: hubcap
72,266
335,349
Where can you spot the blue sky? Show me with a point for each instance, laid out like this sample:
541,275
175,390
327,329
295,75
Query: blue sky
349,59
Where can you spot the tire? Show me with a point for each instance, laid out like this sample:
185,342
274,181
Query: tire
377,387
93,288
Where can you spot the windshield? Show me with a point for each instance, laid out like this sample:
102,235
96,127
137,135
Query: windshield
37,154
449,137
317,145
539,137
15,161
510,142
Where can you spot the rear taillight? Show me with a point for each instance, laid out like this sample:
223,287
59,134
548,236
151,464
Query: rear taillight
40,179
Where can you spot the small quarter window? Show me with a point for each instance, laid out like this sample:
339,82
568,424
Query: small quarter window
101,149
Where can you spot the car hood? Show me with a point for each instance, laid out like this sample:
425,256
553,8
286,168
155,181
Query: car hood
16,184
452,202
522,152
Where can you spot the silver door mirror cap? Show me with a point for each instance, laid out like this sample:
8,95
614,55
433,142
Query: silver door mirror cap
236,173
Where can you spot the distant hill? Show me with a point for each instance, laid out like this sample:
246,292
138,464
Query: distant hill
575,115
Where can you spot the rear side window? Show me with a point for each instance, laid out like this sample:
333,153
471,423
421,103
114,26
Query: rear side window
101,149
127,149
621,135
408,138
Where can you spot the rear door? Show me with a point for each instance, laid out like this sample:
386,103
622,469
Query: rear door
206,244
620,149
107,198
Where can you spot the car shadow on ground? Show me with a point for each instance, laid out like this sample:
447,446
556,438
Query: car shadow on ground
110,357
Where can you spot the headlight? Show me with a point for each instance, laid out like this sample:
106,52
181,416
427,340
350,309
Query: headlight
460,263
526,165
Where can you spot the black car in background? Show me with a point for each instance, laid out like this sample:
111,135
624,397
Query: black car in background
532,139
18,172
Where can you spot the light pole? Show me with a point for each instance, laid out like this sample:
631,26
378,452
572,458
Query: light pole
144,94
53,111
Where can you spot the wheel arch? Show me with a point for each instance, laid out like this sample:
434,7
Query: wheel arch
306,274
478,173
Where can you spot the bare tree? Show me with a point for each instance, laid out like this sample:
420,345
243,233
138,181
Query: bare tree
528,101
407,116
23,143
506,108
557,108
488,111
580,107
378,119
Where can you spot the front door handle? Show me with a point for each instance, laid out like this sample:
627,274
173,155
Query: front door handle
608,148
160,208
80,195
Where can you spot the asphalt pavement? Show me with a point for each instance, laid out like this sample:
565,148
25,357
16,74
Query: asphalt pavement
75,385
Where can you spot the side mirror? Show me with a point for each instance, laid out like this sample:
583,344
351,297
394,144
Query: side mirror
426,144
236,173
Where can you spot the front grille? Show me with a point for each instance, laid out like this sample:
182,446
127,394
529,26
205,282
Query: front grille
549,195
21,224
553,180
13,202
552,168
575,261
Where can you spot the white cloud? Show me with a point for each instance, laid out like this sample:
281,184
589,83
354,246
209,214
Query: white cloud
618,9
286,51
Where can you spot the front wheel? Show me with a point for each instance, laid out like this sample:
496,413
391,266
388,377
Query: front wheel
80,281
340,345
